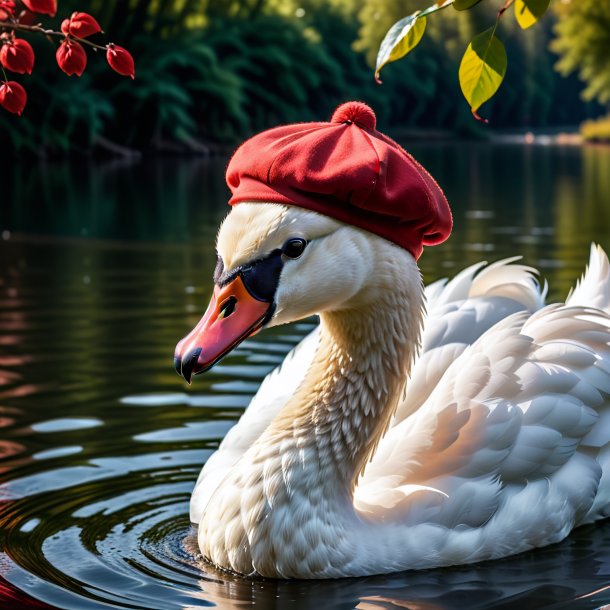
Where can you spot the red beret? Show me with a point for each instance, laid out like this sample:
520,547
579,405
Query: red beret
345,169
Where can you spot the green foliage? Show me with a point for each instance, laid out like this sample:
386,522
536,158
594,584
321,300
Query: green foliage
482,68
596,130
216,84
58,119
583,44
211,72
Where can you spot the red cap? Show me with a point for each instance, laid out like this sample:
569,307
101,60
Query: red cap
347,170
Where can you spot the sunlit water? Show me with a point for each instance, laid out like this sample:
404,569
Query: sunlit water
103,269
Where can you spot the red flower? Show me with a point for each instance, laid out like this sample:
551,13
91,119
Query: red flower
120,60
71,57
80,25
17,56
7,9
13,97
49,7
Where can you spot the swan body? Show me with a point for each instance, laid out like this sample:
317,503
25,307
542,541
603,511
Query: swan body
393,439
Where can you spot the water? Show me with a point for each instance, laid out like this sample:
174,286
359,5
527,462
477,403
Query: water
103,269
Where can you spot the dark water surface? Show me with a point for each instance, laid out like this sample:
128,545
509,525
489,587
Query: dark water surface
103,269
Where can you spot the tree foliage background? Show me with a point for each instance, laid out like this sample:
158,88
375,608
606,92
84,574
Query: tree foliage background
216,71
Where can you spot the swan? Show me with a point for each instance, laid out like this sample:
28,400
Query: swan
415,427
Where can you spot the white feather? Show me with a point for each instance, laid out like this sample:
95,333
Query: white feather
593,289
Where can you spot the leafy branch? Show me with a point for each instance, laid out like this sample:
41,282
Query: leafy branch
484,62
17,54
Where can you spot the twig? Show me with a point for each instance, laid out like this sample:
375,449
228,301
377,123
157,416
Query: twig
38,29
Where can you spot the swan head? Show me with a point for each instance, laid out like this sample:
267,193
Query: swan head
298,242
278,264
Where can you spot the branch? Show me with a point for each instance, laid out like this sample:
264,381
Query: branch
38,29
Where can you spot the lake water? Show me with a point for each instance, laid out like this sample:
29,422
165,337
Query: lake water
104,267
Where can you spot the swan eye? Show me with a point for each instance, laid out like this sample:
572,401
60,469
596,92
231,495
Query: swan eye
294,247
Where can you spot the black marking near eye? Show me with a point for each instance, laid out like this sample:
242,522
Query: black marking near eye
261,277
294,247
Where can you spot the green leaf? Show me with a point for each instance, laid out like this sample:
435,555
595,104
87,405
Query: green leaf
482,68
527,12
401,38
464,5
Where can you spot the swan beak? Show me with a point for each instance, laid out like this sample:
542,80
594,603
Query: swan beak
232,315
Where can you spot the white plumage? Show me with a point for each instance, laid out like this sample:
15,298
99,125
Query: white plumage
344,464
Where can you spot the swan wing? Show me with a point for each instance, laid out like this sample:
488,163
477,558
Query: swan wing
503,278
459,312
275,390
525,407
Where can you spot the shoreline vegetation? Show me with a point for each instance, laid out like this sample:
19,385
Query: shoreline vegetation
102,148
211,74
596,131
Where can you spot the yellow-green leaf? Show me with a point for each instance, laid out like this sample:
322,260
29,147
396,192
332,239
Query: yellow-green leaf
527,12
482,68
401,38
464,5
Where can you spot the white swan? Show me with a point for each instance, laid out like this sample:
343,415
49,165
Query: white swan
344,464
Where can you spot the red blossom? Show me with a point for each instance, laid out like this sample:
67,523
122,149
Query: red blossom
71,57
120,60
80,25
7,9
17,56
48,7
13,97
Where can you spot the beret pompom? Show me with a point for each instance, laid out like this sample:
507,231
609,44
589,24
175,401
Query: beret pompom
356,112
347,170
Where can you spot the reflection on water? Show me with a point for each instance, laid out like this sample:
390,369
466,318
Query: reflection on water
103,269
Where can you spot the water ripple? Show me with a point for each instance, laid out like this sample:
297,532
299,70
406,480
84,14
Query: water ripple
101,443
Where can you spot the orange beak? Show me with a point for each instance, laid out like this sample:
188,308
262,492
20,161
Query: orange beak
232,315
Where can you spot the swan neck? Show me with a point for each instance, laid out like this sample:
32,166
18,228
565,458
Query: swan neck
352,388
368,355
